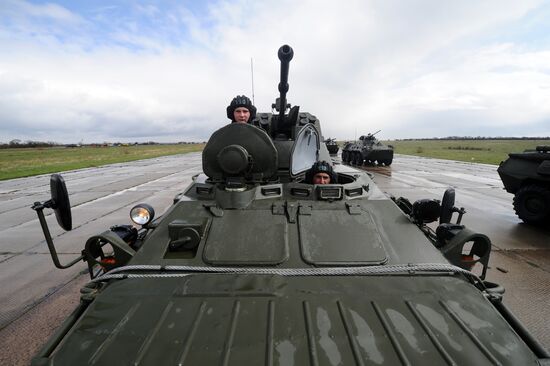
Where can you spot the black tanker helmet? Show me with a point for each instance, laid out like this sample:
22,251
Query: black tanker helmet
241,101
321,167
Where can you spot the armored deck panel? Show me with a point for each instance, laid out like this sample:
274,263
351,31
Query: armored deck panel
228,319
298,237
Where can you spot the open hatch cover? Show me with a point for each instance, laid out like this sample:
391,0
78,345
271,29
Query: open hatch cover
305,151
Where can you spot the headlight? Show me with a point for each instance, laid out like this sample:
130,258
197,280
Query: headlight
142,214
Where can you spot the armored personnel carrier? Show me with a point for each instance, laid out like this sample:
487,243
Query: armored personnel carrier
368,150
332,146
252,265
527,176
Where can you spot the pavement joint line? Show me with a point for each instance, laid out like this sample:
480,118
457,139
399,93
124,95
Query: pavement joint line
7,258
46,215
32,253
15,208
83,169
80,170
42,242
520,252
129,188
52,212
37,302
95,199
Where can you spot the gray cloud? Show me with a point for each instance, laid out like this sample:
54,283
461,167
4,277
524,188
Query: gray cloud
421,68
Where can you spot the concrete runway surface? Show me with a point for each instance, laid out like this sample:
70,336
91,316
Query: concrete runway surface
35,296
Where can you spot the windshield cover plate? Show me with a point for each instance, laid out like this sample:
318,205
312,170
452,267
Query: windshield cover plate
334,237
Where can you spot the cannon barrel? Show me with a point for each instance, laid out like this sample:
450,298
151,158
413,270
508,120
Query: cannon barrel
285,54
375,132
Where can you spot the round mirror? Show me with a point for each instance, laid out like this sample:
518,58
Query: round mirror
447,205
60,202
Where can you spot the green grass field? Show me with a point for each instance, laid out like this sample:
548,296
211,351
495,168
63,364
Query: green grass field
475,151
16,163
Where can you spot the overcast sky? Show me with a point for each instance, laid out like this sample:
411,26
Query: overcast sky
165,71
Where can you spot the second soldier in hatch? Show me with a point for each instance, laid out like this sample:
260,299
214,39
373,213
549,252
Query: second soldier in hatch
241,110
321,172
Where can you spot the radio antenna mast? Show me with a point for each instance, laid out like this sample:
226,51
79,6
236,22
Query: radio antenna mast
252,73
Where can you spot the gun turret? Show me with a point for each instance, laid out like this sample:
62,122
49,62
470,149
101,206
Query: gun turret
369,137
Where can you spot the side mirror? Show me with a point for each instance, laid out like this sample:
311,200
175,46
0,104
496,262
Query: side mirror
447,205
60,202
448,208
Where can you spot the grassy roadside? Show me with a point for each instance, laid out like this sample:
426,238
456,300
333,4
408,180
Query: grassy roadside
475,151
16,163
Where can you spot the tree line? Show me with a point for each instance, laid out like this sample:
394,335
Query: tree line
477,138
15,143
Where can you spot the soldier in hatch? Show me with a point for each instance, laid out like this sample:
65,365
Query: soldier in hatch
321,172
241,110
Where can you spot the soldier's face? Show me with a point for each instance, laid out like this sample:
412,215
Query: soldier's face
321,178
241,115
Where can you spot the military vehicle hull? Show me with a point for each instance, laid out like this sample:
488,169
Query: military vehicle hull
333,149
247,319
527,176
332,146
368,150
253,265
278,291
368,156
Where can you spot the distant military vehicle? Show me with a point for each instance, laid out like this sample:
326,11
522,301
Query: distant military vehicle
527,176
332,146
368,150
253,265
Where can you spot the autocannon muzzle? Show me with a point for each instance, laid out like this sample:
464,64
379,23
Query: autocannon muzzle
285,54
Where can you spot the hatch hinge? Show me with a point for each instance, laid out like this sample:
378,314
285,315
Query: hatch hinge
278,208
291,211
353,208
89,292
305,210
214,210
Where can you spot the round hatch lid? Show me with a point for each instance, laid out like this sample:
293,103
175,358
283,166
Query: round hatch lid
240,150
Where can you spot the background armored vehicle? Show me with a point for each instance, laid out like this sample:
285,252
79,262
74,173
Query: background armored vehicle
253,265
332,146
367,150
527,176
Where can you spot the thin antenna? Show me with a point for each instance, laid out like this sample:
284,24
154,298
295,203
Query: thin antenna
355,137
252,72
